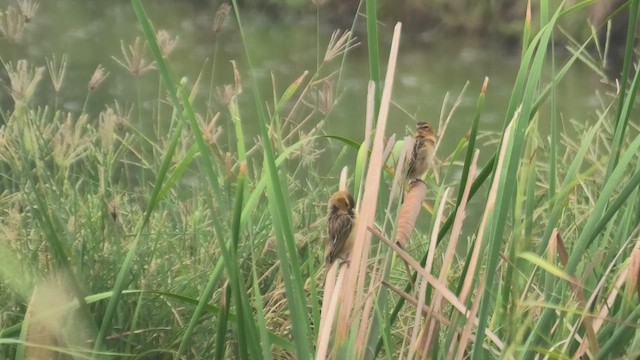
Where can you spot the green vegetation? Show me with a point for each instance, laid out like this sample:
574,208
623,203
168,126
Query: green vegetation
143,232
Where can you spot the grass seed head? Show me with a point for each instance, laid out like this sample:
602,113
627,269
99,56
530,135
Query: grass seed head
133,58
57,70
339,44
166,43
97,78
221,16
24,80
29,9
12,24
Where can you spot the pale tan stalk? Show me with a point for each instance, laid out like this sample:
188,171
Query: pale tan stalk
424,347
329,308
488,211
468,326
622,277
452,245
354,286
446,293
399,176
330,294
442,127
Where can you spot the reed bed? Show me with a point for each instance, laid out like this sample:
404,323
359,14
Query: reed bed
115,244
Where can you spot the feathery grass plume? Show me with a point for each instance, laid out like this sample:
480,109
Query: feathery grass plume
110,119
166,43
24,80
99,75
409,211
133,57
226,94
52,325
12,24
327,98
339,44
221,16
57,70
41,335
71,142
107,119
28,9
211,132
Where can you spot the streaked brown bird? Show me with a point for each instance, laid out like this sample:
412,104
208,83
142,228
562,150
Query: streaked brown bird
341,225
423,153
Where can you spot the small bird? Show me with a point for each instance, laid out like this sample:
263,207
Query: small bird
423,151
341,220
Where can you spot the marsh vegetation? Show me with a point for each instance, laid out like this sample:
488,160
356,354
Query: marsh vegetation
182,214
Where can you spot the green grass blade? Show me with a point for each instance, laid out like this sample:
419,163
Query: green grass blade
374,53
622,118
221,330
506,188
566,189
471,144
285,241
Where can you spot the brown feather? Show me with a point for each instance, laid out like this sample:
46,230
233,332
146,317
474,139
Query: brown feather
340,226
423,151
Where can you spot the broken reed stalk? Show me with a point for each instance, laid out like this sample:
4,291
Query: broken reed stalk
613,295
400,171
447,294
354,287
456,229
488,210
468,326
422,344
556,246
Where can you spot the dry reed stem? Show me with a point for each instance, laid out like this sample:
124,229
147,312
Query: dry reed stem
424,345
446,293
409,211
442,127
328,307
491,203
377,278
453,242
633,280
468,327
399,174
389,148
354,285
604,311
556,245
426,309
368,128
422,294
456,229
343,179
